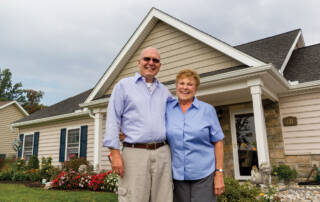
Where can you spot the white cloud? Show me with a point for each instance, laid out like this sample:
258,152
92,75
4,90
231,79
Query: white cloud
64,46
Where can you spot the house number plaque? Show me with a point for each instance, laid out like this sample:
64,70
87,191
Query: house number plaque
290,121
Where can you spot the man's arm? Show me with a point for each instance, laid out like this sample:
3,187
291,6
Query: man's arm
111,139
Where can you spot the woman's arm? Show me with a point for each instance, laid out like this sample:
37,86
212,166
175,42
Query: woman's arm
218,176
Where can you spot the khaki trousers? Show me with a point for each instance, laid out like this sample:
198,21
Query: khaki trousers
147,175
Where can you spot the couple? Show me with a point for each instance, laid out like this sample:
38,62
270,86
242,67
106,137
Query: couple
145,111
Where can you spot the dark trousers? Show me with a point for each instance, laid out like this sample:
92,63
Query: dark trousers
194,190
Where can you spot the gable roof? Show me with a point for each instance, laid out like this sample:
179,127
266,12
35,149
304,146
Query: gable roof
304,64
4,104
142,32
274,49
68,105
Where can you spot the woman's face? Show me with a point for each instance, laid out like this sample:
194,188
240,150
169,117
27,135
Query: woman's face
186,88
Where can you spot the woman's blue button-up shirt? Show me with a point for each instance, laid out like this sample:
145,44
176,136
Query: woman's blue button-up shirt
190,136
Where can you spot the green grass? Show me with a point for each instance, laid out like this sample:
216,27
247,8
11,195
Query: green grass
19,192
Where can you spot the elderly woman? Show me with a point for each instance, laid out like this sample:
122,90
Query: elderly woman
195,138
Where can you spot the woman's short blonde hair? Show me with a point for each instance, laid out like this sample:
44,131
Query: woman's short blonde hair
188,73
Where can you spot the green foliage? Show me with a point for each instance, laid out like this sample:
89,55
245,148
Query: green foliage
6,175
33,175
74,163
30,99
47,170
235,192
33,163
20,164
19,176
8,90
111,182
284,172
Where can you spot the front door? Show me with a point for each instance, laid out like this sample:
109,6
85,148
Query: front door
244,143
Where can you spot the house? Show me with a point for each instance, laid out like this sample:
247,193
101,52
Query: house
266,93
10,111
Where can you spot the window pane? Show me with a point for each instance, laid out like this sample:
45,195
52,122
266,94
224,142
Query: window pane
28,146
73,143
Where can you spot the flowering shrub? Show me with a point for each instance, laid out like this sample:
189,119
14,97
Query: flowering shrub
74,163
98,182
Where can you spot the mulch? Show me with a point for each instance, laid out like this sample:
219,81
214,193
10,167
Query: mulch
25,183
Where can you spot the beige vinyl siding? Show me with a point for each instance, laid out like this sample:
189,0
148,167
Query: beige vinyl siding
8,115
104,161
178,51
49,138
305,137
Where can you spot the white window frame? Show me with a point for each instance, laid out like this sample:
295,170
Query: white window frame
233,113
66,149
24,141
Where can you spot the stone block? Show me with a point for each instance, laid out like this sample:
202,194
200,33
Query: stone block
298,159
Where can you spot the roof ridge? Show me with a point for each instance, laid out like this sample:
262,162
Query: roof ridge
268,37
70,97
317,44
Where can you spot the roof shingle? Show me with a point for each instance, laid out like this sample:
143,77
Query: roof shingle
304,64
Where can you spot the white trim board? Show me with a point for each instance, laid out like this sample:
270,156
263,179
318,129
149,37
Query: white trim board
19,107
142,31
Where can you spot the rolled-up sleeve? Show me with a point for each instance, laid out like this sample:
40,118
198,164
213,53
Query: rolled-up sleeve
113,122
216,133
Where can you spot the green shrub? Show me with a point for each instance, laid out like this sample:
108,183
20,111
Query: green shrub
6,175
74,164
21,164
33,163
46,170
19,176
33,175
111,182
284,172
235,192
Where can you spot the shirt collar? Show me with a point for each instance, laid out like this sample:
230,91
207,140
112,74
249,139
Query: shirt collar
138,77
195,103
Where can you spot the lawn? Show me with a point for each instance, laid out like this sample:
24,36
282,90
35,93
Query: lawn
19,192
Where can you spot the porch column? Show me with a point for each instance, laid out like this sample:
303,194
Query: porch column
98,121
260,125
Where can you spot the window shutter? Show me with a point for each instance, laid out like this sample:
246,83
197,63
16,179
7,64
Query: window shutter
35,144
21,147
83,143
62,144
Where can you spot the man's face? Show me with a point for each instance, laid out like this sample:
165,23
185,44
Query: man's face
149,64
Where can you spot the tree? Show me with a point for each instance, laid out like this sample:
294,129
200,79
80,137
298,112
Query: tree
9,91
32,103
28,98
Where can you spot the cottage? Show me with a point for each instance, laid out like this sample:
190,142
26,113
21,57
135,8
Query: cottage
266,92
10,111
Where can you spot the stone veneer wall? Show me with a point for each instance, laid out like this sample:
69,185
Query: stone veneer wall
302,163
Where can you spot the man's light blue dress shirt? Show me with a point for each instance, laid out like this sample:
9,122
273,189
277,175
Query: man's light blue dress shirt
139,113
190,136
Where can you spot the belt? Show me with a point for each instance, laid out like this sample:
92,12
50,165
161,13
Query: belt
145,145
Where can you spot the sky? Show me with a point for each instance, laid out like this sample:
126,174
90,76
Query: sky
63,47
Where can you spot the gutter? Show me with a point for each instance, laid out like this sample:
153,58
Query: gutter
49,119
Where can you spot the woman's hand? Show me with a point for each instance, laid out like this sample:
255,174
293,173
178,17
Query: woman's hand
218,183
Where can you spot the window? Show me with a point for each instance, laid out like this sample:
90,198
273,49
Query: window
28,147
73,143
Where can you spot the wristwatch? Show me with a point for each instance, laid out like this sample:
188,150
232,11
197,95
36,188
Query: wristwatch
219,170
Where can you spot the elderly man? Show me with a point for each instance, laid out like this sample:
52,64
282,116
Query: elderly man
137,107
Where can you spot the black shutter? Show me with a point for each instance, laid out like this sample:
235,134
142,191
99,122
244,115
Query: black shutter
62,144
35,143
21,146
83,143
